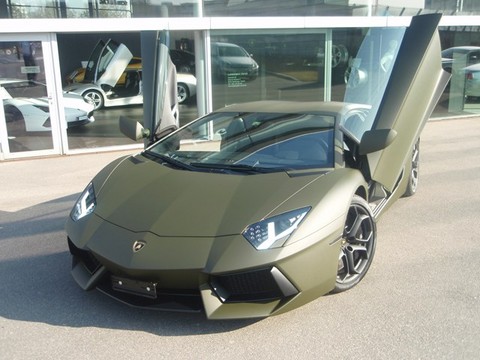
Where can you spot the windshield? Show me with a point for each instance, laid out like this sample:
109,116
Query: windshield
250,142
231,51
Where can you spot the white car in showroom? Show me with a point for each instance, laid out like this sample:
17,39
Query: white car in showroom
111,80
26,107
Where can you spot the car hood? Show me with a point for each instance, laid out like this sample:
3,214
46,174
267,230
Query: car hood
29,101
237,60
76,102
70,101
142,195
78,88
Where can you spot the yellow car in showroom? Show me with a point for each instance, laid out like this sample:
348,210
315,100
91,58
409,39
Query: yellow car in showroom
258,208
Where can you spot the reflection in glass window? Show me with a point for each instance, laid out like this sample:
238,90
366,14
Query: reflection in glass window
370,70
461,58
99,59
234,8
27,114
267,66
77,8
282,8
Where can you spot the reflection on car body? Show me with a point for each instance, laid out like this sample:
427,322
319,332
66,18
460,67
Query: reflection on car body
258,208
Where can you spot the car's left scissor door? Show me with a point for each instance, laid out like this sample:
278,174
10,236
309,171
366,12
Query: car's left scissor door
400,76
415,86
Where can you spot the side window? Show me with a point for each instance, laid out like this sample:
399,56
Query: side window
473,57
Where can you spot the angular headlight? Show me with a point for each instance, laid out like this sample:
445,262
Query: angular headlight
85,204
273,232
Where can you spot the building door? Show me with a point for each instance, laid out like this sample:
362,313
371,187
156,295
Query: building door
29,114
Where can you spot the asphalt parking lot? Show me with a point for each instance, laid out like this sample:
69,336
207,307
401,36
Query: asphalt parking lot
420,299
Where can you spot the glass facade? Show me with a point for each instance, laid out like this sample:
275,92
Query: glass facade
217,65
190,8
24,96
281,65
86,60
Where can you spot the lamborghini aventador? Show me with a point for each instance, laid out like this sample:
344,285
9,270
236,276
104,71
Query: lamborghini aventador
258,208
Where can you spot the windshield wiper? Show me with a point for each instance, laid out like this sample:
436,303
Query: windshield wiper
164,159
252,169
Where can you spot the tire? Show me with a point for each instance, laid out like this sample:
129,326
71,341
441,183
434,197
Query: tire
414,175
182,93
94,97
358,245
339,55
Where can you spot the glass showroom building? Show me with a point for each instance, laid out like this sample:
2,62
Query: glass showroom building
225,51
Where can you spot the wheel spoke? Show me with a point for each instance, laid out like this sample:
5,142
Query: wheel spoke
355,255
350,259
359,233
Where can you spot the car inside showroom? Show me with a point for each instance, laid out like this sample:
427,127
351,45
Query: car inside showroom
70,69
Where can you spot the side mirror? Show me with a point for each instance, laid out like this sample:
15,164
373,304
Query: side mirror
376,140
133,129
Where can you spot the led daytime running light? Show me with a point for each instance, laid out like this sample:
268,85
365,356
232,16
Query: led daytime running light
85,204
273,232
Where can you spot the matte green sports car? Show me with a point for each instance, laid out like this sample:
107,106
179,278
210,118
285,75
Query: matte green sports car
258,208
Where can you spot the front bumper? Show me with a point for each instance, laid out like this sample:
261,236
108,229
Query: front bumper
194,275
253,293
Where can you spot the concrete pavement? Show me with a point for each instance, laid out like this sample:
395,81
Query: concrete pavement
26,183
33,181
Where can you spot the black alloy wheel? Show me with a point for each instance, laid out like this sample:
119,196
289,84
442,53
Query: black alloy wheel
358,245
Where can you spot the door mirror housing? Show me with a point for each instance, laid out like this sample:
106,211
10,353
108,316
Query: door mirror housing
376,140
133,129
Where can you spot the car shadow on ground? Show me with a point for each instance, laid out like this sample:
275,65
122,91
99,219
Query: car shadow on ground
37,286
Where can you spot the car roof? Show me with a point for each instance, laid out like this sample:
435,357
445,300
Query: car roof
274,106
463,49
225,44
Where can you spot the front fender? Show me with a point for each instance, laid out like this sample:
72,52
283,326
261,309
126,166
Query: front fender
330,197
